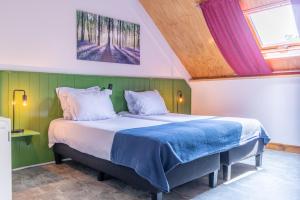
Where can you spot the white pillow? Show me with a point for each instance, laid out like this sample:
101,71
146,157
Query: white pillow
64,92
146,103
88,106
130,101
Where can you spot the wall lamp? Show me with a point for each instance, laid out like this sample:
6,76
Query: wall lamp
24,102
179,98
110,86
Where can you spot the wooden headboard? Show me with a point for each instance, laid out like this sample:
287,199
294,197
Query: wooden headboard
43,105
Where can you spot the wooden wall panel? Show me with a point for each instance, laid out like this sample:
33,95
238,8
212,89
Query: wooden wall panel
184,27
43,105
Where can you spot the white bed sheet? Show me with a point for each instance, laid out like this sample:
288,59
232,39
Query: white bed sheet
93,137
251,128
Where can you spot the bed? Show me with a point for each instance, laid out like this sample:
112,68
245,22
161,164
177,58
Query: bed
92,143
253,146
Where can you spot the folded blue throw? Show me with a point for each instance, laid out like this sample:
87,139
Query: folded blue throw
153,151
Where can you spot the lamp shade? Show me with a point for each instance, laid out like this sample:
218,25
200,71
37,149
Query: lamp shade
24,98
179,96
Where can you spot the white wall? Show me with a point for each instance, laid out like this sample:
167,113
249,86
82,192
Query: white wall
274,101
40,35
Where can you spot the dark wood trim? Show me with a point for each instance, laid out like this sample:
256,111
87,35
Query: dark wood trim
284,147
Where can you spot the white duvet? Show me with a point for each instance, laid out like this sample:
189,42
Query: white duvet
96,137
250,127
93,137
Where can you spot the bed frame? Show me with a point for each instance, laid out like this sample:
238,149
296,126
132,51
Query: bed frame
228,158
208,165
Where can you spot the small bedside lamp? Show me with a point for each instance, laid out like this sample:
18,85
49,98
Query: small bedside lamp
24,100
179,98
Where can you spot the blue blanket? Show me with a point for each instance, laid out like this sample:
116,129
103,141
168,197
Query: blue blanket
153,151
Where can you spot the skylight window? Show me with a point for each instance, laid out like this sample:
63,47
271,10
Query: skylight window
275,27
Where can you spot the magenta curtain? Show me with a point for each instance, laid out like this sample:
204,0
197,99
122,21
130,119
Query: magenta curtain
232,35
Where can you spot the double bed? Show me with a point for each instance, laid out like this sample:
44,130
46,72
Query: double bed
90,143
111,147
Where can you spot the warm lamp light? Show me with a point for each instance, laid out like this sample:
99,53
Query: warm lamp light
179,98
24,102
24,98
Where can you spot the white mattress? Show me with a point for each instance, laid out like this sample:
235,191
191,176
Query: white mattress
250,127
93,137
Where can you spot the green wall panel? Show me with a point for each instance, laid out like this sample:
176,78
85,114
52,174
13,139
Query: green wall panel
43,105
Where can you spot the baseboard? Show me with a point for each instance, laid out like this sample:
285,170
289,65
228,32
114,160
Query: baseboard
37,165
284,147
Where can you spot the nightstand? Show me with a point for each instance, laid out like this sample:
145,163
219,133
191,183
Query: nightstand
5,159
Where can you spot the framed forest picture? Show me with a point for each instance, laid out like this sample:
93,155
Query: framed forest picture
106,39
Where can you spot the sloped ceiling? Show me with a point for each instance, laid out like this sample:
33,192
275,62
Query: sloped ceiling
183,25
185,29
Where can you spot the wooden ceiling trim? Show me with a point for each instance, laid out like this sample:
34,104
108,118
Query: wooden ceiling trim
250,4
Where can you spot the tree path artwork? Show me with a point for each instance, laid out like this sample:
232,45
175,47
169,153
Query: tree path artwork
107,40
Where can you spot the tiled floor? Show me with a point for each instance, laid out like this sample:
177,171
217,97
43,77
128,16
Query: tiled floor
279,179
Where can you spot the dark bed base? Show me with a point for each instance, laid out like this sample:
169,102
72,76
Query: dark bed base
181,174
228,158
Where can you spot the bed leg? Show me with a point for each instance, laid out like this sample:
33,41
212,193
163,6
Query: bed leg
57,158
101,176
258,160
213,179
157,196
226,172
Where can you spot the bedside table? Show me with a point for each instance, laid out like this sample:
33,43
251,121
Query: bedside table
27,134
5,159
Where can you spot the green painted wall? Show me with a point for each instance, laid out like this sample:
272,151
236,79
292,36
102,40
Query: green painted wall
43,105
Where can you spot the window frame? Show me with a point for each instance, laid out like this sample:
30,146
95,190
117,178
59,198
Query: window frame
282,47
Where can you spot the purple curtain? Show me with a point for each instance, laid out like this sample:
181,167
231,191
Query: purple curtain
232,35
